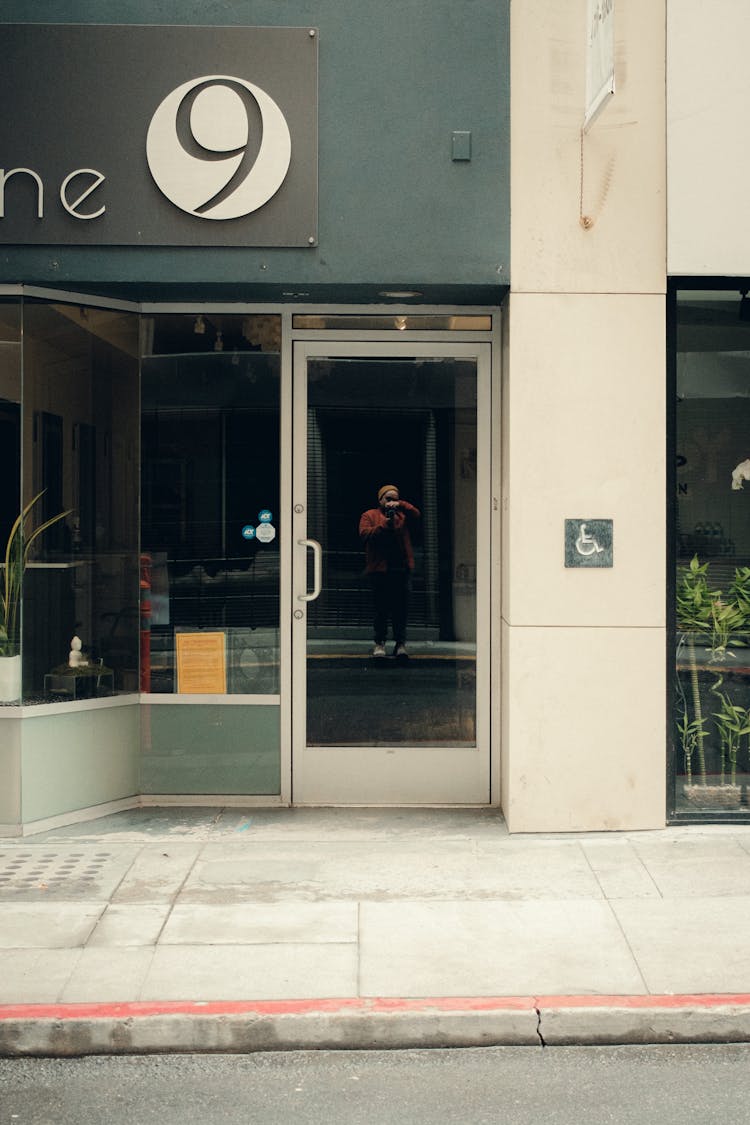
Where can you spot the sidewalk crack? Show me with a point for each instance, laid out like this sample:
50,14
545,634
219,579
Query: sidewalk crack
610,903
539,1026
178,892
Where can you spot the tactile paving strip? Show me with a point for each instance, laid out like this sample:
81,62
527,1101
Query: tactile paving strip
77,872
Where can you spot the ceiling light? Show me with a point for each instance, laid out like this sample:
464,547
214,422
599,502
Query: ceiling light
200,325
401,294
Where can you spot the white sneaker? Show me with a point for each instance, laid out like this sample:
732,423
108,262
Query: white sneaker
379,650
400,652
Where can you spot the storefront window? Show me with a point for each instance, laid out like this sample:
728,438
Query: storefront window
69,530
210,503
79,534
69,613
10,495
711,703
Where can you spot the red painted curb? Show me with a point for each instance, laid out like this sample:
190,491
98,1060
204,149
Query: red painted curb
377,1005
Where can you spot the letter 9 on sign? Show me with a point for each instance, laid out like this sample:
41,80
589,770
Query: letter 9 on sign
212,181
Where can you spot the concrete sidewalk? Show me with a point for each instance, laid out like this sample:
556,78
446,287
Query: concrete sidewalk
201,929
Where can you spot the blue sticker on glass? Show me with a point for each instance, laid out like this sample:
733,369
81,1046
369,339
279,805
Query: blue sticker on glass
248,531
265,516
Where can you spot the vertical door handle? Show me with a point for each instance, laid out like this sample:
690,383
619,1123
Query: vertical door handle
317,551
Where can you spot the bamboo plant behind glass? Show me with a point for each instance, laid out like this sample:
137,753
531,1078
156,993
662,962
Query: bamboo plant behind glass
719,622
17,552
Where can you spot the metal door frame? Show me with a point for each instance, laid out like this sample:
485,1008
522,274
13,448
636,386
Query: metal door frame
400,772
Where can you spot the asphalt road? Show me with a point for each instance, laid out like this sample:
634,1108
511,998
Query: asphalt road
509,1085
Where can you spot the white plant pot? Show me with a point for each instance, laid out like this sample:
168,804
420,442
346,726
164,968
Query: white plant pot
10,679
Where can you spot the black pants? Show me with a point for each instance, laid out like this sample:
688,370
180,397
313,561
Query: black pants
390,591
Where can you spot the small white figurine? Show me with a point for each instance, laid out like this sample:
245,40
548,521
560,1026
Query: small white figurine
76,657
742,472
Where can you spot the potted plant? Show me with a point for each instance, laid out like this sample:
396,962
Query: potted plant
732,723
708,619
17,550
694,601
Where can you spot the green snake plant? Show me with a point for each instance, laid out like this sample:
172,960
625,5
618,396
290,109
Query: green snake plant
18,547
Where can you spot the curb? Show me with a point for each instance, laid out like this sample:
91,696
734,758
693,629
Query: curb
71,1030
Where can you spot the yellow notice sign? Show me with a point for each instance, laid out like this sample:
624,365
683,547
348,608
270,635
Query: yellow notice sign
201,663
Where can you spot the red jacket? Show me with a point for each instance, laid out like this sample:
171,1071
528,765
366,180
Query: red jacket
381,541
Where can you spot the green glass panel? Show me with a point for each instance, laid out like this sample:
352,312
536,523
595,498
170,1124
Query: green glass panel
211,748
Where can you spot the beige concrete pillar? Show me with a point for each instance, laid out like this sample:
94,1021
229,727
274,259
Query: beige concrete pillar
584,430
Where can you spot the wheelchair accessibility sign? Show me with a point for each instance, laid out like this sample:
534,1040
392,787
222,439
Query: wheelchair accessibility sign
588,542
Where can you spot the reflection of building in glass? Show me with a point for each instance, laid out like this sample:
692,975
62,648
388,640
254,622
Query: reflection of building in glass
210,452
71,406
413,433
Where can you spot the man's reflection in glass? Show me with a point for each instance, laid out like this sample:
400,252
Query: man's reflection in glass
384,531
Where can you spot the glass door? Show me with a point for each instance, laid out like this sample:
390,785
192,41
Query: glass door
391,548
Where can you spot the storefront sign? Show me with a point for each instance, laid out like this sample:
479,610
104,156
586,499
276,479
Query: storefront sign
158,135
600,57
588,542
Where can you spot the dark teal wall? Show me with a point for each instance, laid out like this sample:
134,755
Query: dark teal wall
396,78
